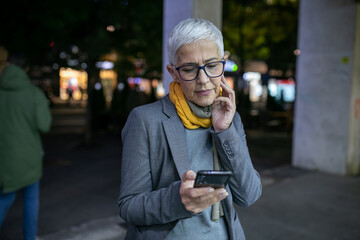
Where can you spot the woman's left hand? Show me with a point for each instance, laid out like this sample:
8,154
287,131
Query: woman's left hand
224,107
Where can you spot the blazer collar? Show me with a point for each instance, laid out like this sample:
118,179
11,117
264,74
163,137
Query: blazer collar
175,134
168,107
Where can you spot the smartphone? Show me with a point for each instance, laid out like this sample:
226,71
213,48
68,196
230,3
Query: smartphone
212,178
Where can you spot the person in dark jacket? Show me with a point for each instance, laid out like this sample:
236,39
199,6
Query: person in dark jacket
24,115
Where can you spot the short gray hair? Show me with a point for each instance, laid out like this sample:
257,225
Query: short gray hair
190,31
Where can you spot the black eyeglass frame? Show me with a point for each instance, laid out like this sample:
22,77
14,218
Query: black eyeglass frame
201,67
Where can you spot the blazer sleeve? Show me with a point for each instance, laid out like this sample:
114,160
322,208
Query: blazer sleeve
245,184
139,204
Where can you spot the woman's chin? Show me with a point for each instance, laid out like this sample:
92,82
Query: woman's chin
204,102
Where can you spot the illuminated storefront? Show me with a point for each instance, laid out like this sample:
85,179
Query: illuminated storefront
73,83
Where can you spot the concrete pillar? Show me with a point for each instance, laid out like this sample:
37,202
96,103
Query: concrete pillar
353,154
327,109
177,10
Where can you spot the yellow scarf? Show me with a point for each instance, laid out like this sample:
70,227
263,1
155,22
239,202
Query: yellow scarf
188,118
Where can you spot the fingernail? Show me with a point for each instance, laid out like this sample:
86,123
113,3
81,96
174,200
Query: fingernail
223,194
210,190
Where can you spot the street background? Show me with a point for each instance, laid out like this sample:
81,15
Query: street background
80,186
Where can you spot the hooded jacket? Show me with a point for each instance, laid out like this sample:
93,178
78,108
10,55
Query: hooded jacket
24,115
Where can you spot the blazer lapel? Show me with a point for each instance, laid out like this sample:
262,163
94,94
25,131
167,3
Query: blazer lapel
175,134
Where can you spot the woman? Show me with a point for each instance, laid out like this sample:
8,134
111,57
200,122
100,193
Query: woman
194,127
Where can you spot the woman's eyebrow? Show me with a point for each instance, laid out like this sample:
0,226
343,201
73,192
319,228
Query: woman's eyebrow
206,61
211,59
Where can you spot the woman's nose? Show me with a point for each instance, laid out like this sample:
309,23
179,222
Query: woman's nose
202,77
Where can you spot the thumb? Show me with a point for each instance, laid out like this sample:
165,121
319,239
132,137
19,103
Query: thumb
188,176
188,179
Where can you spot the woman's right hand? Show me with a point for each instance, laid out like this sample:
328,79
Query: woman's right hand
198,199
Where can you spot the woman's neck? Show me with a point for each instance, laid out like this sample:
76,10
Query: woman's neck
199,111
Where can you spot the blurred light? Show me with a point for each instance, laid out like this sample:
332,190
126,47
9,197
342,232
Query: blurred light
285,90
230,66
251,76
297,52
272,87
110,28
52,43
62,55
105,65
72,62
256,90
75,49
131,82
108,74
275,73
55,66
120,86
97,86
73,81
83,65
142,88
137,80
160,90
234,68
154,83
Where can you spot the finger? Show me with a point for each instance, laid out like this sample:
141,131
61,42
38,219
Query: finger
188,176
191,197
224,82
187,180
199,192
224,85
229,92
223,101
197,205
223,79
211,198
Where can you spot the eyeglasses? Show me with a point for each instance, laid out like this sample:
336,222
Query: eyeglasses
190,72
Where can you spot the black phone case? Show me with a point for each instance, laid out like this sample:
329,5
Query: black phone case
212,178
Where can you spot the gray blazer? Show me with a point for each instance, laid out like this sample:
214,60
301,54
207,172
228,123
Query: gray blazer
155,156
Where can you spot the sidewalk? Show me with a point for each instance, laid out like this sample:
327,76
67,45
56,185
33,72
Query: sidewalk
111,228
299,205
295,205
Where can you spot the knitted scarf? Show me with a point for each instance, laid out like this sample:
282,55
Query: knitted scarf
188,118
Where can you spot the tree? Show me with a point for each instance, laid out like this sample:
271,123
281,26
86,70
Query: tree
42,29
259,30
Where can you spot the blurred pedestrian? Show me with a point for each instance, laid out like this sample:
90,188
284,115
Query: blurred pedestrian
195,127
24,115
70,91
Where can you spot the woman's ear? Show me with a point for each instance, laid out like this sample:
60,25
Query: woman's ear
226,55
171,70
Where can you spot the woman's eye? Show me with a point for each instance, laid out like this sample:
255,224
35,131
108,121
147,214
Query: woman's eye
214,65
188,69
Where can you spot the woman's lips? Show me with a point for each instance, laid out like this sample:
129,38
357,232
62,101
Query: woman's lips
203,92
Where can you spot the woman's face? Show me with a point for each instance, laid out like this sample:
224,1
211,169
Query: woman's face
203,90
